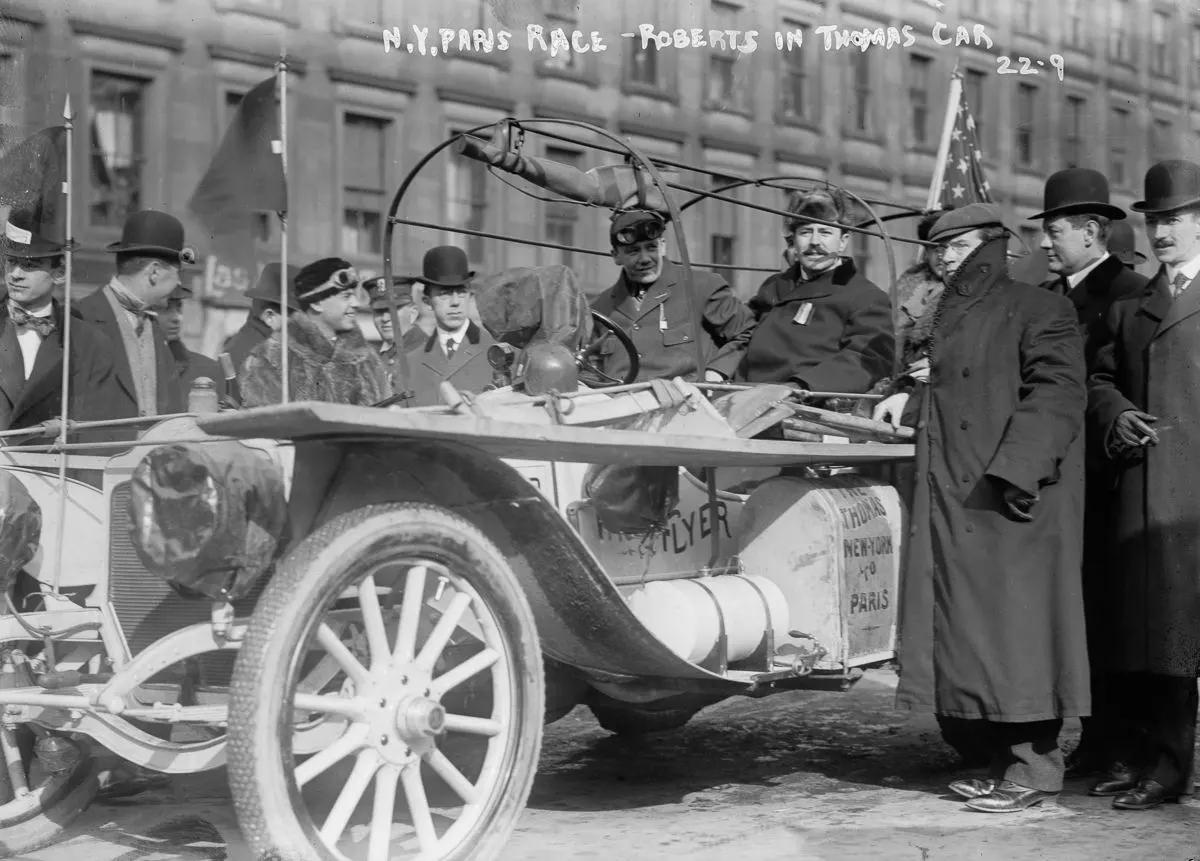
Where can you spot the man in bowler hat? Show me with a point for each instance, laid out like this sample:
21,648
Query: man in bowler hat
265,316
456,352
650,302
1077,226
328,357
149,255
31,337
991,626
1142,402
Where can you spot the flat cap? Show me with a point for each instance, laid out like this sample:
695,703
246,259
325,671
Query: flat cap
966,218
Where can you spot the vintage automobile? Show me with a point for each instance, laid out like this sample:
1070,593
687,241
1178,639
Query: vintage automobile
366,614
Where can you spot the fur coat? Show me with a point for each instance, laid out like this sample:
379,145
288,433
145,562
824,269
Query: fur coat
347,370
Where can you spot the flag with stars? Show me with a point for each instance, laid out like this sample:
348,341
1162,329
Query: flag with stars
963,181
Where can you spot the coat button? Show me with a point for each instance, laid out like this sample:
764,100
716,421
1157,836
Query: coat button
969,528
964,424
966,372
636,327
686,338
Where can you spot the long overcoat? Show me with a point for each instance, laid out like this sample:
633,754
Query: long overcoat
467,370
991,612
1150,361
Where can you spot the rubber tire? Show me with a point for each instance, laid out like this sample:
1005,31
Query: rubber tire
45,825
630,720
265,798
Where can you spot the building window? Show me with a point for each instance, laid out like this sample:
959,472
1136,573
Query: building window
793,93
561,220
1076,24
724,92
1195,54
973,93
364,170
1076,112
1120,45
562,14
918,97
860,92
1026,112
1161,139
116,113
1023,16
466,202
643,63
1160,51
723,232
1118,144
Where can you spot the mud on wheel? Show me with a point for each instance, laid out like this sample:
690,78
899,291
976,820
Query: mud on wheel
401,634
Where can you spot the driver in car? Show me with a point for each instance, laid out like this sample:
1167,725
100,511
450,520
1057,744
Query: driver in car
649,301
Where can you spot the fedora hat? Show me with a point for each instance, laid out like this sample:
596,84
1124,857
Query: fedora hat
266,288
1170,185
1123,245
22,237
445,266
1077,191
153,234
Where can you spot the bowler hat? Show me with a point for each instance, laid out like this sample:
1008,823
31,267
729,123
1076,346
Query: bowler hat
21,237
266,288
1170,185
445,266
378,292
1123,245
1077,190
153,234
956,222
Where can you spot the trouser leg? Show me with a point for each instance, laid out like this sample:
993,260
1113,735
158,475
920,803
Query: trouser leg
1030,754
1171,722
971,739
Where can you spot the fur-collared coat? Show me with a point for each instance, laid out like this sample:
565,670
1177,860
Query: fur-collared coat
347,370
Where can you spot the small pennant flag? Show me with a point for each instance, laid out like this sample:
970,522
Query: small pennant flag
963,181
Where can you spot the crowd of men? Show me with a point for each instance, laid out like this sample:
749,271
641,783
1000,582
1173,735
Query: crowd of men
1051,562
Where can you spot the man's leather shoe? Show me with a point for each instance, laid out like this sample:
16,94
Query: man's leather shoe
1147,794
1009,797
973,787
1118,779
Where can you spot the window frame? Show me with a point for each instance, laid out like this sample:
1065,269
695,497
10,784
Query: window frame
143,134
1029,129
387,127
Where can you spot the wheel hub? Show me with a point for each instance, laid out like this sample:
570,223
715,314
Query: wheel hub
420,718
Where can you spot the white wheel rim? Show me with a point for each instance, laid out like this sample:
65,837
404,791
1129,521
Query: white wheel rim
391,702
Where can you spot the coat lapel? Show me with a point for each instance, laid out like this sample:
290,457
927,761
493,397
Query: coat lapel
46,377
12,365
97,308
1183,306
433,357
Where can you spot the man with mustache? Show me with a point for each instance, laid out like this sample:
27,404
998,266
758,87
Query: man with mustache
1142,402
649,301
1077,225
328,357
821,325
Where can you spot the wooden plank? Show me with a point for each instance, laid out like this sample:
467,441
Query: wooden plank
508,439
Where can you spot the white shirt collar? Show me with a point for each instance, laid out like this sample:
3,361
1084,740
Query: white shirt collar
458,335
1073,280
1189,270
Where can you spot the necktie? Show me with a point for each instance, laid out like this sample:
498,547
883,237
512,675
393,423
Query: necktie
450,347
20,317
1179,283
1064,286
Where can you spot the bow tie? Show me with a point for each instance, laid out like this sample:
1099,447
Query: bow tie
20,317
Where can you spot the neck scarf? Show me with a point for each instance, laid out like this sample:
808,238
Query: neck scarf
20,317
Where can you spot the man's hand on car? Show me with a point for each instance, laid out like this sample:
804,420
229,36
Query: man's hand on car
891,409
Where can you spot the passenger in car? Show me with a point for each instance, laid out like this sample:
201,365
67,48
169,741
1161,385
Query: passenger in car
649,301
821,325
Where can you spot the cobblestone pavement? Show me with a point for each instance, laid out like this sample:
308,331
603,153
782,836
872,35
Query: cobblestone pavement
794,776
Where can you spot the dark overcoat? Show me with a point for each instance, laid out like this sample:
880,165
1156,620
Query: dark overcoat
832,334
991,611
663,329
96,309
91,381
190,366
238,345
468,370
1150,361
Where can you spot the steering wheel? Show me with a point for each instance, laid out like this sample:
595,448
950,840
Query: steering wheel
590,373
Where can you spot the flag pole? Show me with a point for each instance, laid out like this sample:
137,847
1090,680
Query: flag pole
283,232
67,188
939,169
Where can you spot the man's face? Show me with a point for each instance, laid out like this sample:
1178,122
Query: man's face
449,305
161,280
1174,236
642,261
170,317
338,311
1068,248
31,280
819,247
383,323
958,249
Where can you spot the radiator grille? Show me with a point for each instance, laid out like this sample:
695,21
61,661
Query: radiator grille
145,604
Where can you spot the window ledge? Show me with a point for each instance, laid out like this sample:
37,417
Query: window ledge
795,121
634,88
865,137
720,107
286,15
586,77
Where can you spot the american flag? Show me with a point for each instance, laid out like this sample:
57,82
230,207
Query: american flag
964,181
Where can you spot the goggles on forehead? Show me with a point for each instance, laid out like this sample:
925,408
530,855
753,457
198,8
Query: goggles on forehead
643,231
344,278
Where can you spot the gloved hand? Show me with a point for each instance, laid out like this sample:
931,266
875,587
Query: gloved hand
891,408
919,370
